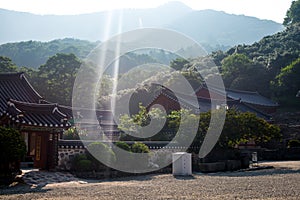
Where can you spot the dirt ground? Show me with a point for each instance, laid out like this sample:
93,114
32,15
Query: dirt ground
280,182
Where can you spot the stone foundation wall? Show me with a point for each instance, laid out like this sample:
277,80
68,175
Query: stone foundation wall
66,154
161,155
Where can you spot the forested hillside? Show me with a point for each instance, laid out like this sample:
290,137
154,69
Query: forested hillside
270,66
214,27
274,52
35,53
259,66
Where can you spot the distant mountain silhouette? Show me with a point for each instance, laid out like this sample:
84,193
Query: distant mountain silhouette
220,28
206,26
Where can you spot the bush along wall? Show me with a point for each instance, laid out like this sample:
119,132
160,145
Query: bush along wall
13,149
87,165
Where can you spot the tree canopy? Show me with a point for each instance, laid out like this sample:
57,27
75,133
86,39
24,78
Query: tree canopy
179,63
266,57
243,127
6,65
54,80
293,14
240,72
287,83
235,65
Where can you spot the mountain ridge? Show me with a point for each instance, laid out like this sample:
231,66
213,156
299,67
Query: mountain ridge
22,26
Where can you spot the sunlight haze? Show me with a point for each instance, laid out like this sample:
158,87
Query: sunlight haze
266,9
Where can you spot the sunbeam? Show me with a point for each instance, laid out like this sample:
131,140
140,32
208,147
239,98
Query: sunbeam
117,63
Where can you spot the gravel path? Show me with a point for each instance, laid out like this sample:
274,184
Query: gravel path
283,182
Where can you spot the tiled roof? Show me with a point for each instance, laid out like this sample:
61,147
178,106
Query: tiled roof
204,105
243,96
22,104
32,114
196,104
17,96
105,118
242,107
15,86
250,97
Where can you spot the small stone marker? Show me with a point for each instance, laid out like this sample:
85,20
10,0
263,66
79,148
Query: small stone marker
182,164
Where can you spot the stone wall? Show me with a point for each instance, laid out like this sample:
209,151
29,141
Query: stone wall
66,154
68,149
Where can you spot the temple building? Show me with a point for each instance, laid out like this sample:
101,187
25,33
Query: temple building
243,101
39,122
42,123
248,98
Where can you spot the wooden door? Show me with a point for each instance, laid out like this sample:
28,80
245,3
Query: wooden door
41,147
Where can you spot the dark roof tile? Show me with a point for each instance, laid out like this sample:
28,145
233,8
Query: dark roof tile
244,96
36,114
16,86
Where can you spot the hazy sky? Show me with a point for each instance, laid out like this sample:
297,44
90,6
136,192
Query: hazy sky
263,9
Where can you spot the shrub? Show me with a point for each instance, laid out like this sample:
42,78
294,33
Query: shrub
124,159
123,145
80,157
100,154
71,134
13,148
294,143
84,165
139,147
76,160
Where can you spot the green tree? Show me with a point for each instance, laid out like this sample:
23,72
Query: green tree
179,63
233,66
287,83
293,14
238,127
240,72
134,125
55,79
243,127
186,120
29,72
6,65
